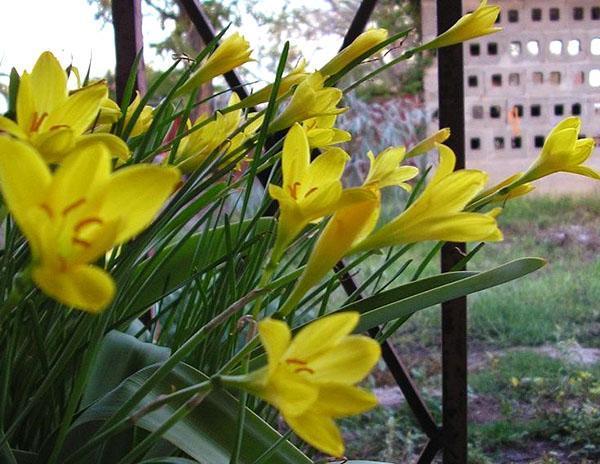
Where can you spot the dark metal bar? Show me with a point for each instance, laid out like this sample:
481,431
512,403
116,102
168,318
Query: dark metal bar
205,28
397,369
127,23
429,452
409,390
454,313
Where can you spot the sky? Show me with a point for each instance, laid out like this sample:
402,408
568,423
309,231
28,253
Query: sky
69,30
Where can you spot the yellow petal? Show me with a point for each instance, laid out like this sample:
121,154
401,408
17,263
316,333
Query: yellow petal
327,167
348,362
362,44
135,194
321,202
275,336
116,146
100,239
460,227
453,192
83,287
357,215
318,431
24,178
49,83
80,110
321,335
446,164
12,128
343,400
78,177
291,394
584,171
295,158
54,145
429,143
26,109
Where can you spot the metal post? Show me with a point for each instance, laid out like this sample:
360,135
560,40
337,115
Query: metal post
454,313
127,22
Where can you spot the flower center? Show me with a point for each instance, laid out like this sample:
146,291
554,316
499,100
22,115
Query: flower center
79,227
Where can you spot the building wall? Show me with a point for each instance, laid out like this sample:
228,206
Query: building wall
514,96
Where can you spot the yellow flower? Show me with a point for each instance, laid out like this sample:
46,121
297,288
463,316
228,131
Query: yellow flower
48,117
429,143
362,44
476,24
73,217
309,191
385,170
142,124
234,51
294,77
353,221
311,378
563,151
110,113
438,212
322,134
309,100
199,144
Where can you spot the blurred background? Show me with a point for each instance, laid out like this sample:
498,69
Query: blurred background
534,344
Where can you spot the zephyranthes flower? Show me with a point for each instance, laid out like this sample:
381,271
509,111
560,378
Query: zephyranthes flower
309,100
309,191
73,216
110,113
563,151
354,221
476,24
311,378
294,77
363,43
199,144
321,133
438,212
234,51
51,119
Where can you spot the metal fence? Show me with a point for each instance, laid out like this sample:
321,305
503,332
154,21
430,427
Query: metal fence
450,438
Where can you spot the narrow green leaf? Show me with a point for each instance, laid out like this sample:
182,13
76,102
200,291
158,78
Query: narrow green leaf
207,434
404,307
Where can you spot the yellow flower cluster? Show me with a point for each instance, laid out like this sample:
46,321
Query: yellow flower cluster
74,213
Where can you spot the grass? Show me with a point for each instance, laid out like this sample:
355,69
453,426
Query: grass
525,405
557,303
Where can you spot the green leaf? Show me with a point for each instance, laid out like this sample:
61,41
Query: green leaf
120,356
207,434
386,311
171,268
